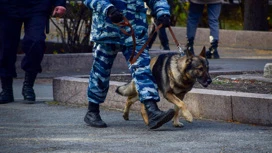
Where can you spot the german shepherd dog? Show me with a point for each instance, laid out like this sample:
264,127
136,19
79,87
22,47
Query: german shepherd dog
175,75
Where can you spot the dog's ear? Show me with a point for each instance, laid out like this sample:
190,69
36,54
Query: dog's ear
187,66
203,52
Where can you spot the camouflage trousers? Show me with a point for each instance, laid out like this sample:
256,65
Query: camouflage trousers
104,55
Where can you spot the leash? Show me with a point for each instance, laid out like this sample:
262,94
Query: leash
133,58
176,42
132,34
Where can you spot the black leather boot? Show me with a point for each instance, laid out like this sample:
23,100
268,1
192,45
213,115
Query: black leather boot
6,96
190,45
156,117
212,53
28,91
165,46
93,117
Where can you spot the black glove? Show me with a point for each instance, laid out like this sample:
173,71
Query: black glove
164,20
114,15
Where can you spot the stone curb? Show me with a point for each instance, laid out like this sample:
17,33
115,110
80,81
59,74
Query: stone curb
227,106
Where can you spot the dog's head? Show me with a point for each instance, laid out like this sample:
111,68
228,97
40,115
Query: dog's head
197,67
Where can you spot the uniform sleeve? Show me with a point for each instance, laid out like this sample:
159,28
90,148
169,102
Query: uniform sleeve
100,6
158,7
60,3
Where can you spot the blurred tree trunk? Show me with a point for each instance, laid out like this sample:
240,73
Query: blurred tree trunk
255,15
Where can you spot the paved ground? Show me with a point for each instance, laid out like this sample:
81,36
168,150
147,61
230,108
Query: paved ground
42,127
47,127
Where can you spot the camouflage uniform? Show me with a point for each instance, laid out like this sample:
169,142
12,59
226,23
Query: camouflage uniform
108,40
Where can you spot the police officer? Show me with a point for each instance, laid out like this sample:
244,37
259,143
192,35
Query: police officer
34,15
109,40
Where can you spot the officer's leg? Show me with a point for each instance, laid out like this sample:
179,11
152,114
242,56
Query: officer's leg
213,18
33,45
195,13
10,29
104,55
164,39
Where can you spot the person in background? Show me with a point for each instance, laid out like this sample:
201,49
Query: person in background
34,15
162,31
109,40
162,36
195,12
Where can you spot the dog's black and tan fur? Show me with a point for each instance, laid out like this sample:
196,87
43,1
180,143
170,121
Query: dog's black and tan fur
175,75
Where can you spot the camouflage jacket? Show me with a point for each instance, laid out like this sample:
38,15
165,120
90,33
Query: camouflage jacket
104,31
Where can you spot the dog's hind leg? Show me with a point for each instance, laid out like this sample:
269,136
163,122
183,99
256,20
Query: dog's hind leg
130,100
144,114
179,103
176,122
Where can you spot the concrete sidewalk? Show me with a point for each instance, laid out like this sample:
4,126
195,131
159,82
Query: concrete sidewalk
45,127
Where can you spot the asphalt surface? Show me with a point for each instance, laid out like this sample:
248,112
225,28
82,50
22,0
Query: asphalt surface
46,126
42,127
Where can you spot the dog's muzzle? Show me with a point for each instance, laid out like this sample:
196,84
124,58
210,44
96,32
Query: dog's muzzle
205,83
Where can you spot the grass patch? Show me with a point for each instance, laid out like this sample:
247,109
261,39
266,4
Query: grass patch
53,103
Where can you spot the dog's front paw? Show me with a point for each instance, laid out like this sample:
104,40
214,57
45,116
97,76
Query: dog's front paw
187,115
177,124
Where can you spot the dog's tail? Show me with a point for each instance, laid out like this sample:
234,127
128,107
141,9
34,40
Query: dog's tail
127,89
